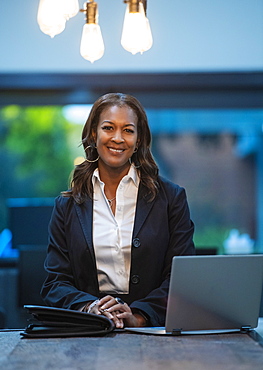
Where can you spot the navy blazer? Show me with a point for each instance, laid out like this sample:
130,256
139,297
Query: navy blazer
162,229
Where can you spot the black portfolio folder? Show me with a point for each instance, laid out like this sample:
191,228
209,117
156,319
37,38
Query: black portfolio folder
58,322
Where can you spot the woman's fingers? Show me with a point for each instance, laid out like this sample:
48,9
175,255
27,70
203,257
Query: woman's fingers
109,307
111,304
117,320
121,307
102,307
107,302
117,311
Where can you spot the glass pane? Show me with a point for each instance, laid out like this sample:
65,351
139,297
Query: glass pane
214,154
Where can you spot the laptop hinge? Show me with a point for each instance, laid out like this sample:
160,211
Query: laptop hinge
177,331
245,328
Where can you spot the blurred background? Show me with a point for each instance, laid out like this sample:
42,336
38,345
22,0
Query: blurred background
201,84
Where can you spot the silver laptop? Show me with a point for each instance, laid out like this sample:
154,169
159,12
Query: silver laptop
211,294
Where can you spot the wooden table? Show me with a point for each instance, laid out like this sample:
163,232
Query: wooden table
130,351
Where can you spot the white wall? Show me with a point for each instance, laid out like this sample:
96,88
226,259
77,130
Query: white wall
189,35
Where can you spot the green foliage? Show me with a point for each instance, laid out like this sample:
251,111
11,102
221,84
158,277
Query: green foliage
211,236
35,152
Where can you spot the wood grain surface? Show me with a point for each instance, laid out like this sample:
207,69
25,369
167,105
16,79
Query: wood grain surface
130,351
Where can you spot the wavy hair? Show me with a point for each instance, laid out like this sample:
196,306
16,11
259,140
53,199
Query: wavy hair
81,183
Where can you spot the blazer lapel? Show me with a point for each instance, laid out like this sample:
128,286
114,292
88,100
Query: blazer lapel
85,215
143,208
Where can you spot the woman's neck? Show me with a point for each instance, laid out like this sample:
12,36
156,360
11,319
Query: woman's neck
112,176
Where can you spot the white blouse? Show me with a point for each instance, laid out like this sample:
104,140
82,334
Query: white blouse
112,235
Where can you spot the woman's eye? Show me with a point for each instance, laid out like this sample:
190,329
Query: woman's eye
130,131
106,128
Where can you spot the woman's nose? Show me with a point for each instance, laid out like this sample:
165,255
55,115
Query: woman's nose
117,137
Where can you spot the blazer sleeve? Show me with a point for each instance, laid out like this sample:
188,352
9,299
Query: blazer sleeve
180,231
61,288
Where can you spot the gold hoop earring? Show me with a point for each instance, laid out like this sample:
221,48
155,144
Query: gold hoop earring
88,160
134,164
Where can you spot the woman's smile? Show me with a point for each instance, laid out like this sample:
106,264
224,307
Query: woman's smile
116,150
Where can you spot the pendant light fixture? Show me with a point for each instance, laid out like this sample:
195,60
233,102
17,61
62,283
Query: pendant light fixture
136,35
92,45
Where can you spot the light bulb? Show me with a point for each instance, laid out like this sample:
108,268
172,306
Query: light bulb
136,35
148,39
92,45
50,17
70,8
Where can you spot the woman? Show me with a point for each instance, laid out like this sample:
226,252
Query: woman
114,233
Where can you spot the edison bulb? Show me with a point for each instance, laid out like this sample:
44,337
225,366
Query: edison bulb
92,45
148,39
50,17
70,8
136,35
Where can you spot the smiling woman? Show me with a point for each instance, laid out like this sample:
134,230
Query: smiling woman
116,141
121,113
114,233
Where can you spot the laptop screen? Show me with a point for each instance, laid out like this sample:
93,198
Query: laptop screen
214,292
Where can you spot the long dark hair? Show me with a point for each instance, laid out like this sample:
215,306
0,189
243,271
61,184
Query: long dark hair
81,183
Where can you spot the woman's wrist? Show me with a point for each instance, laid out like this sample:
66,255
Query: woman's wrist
86,307
141,318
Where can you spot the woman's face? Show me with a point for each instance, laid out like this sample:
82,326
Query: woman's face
116,137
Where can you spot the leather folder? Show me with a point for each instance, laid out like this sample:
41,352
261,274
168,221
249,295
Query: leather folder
47,322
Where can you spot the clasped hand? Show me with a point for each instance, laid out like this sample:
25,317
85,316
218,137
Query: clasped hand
117,311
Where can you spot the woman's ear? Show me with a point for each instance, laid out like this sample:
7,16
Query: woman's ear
94,137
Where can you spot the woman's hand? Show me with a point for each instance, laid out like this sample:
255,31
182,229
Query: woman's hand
121,312
96,308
